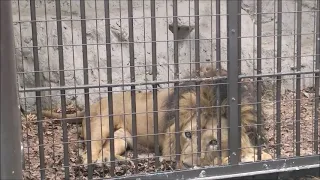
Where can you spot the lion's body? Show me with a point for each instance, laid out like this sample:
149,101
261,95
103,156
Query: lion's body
122,122
122,115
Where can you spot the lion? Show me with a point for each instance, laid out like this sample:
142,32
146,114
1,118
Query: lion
122,121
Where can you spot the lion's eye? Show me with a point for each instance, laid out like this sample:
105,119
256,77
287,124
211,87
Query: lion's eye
188,134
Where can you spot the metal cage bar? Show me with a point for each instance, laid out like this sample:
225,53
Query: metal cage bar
278,82
86,81
158,82
154,78
298,78
317,82
176,77
133,87
240,170
62,92
259,79
11,162
109,80
233,72
197,67
38,84
218,67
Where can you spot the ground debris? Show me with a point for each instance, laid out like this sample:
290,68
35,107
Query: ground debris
53,159
289,122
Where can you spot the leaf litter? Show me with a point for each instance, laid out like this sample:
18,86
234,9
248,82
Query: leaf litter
53,156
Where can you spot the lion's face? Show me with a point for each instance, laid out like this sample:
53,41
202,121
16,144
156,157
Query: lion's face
209,144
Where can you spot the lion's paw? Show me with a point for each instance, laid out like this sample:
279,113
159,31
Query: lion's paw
249,158
166,159
225,161
104,158
95,159
266,156
252,157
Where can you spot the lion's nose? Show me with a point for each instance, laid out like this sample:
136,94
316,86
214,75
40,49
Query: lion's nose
186,165
213,142
189,162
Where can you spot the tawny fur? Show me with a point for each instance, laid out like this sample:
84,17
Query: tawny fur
122,120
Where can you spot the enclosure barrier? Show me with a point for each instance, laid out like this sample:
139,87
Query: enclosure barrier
54,147
10,162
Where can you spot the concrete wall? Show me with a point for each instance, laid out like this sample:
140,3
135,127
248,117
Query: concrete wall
49,58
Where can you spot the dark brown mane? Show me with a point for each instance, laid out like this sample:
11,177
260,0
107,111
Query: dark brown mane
208,89
208,98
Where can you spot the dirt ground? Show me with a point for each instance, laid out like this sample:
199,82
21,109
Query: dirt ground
288,123
53,146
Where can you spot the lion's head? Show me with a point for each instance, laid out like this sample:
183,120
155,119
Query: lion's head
212,148
188,105
248,95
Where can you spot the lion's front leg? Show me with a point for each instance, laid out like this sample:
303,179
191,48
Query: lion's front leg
122,140
248,152
265,156
251,155
99,133
168,149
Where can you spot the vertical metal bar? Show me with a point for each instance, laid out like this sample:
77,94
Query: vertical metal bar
49,74
176,76
73,58
23,75
86,81
38,84
233,61
239,40
62,92
133,78
218,67
197,66
239,64
298,79
317,80
109,80
278,84
99,82
259,80
154,78
11,162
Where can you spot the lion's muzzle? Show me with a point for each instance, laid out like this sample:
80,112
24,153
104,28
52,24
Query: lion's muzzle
191,159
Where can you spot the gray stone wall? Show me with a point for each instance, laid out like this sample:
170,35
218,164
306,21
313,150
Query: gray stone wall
49,57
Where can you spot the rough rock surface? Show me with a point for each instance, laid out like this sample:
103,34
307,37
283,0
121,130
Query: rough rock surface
96,54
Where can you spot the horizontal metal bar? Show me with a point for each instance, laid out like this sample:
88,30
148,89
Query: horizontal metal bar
156,82
160,41
158,17
241,170
137,66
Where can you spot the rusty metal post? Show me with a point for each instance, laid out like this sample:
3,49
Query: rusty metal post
10,164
